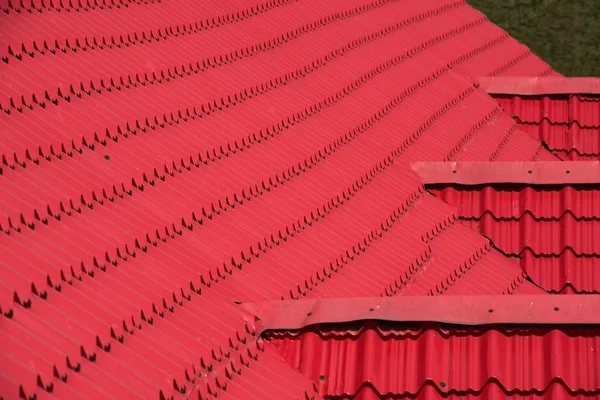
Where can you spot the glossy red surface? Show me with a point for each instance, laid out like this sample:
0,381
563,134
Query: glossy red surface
552,231
439,361
162,160
568,123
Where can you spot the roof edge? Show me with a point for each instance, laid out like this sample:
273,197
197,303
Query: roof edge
532,173
458,310
540,86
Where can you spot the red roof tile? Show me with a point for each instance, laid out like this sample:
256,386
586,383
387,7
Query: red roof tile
474,353
162,161
538,214
551,230
433,361
562,112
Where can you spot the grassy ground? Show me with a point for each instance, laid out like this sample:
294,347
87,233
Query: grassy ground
565,33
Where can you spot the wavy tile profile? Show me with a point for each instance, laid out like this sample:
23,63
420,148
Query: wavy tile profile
551,231
164,161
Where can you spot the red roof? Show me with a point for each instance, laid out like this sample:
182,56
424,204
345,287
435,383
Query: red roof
163,162
441,361
563,112
543,215
416,350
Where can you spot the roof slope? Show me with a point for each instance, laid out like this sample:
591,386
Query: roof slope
156,169
550,230
544,215
437,361
563,112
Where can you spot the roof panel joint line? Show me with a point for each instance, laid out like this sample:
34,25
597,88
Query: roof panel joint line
533,172
536,86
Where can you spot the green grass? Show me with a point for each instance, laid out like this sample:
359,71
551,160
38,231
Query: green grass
565,33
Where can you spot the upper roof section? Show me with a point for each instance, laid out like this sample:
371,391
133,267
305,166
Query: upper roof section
544,215
562,112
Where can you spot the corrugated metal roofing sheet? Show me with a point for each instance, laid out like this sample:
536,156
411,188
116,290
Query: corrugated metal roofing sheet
432,347
436,361
562,112
162,160
550,230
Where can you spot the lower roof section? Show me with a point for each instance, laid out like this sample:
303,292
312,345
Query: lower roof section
432,361
519,347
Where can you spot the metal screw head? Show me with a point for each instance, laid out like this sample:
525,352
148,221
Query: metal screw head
322,378
443,384
106,157
556,309
491,310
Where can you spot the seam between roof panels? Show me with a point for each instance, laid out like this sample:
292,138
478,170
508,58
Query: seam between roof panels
514,61
566,152
529,249
569,124
130,82
569,286
251,139
351,253
343,260
529,213
541,148
502,143
468,137
457,273
166,33
411,274
58,5
368,390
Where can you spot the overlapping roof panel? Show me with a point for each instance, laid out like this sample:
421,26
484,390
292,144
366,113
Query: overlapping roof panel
550,231
162,161
562,112
433,361
543,215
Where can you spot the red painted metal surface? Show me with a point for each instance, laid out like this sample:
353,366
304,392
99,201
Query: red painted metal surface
568,123
439,361
464,310
532,86
161,160
477,173
551,230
